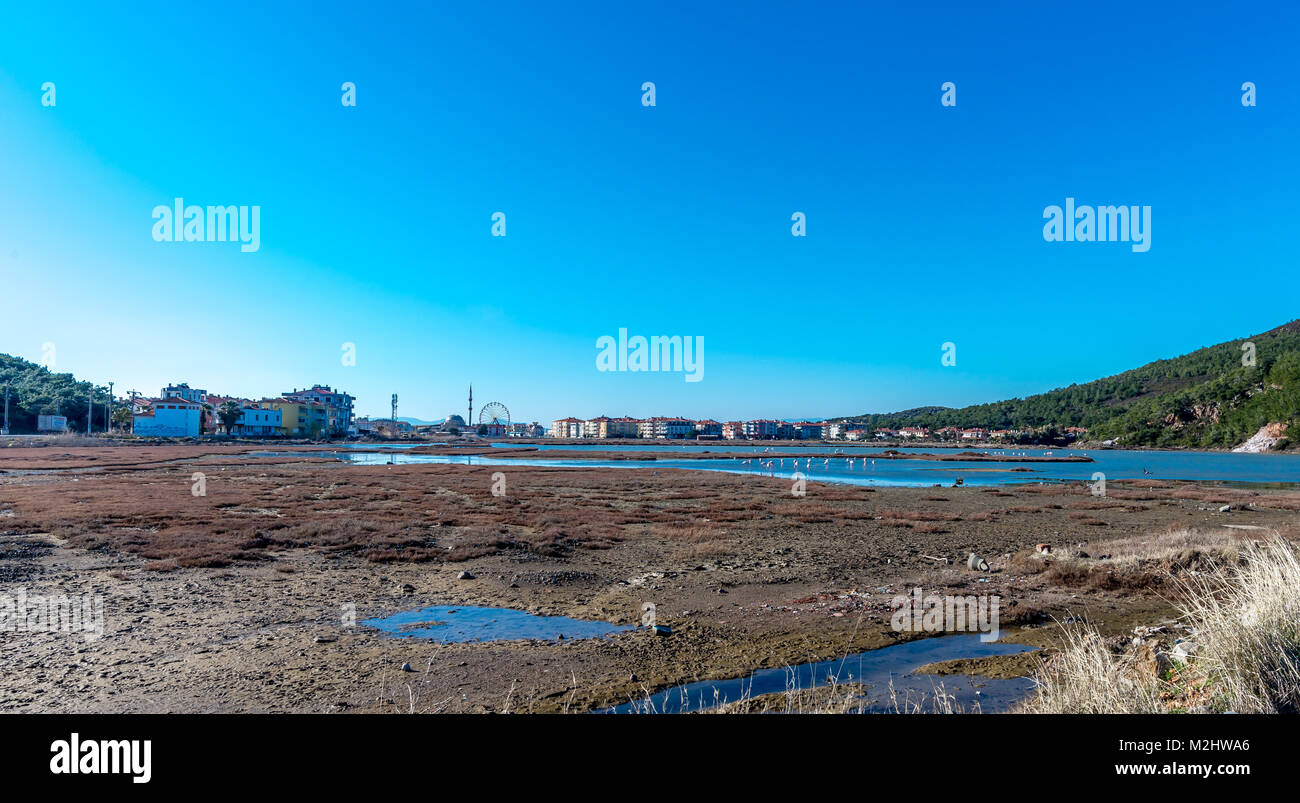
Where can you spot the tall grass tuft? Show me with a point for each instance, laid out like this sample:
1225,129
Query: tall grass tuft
1247,623
1244,620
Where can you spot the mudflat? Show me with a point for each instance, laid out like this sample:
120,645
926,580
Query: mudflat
248,591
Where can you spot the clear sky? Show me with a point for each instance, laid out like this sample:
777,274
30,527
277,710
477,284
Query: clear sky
924,222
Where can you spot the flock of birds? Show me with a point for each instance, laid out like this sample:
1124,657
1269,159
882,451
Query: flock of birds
771,466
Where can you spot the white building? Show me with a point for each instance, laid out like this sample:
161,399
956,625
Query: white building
663,427
170,418
184,391
567,428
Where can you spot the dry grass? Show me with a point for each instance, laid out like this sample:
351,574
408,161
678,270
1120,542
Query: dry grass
1138,563
1247,622
1243,615
1086,677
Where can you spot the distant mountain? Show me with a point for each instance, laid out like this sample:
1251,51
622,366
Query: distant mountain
1207,398
419,422
34,391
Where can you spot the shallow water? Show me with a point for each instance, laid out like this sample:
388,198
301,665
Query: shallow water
458,623
874,668
868,468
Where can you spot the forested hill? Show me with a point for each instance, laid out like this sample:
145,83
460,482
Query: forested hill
34,390
1205,398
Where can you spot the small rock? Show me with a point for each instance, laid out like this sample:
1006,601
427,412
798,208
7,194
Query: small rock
464,576
661,630
407,668
1225,508
1185,650
407,589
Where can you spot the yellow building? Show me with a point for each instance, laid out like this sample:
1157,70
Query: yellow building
299,419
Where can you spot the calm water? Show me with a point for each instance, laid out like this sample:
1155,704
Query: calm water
877,669
867,468
471,623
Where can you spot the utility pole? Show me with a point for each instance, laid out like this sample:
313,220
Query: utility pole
135,394
108,414
90,409
469,422
394,409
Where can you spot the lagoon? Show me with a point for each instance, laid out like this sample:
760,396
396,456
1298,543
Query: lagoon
867,467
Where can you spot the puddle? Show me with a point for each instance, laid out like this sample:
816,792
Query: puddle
874,668
450,623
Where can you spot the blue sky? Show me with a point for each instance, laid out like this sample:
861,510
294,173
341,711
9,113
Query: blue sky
924,222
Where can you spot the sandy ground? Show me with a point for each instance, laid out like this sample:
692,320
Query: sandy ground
240,599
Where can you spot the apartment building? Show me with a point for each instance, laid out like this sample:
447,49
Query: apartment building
567,428
338,406
259,422
661,427
184,391
709,427
299,419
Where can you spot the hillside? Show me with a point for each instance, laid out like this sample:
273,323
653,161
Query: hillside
1206,398
34,390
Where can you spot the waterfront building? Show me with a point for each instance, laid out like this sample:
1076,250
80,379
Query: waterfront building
170,417
338,406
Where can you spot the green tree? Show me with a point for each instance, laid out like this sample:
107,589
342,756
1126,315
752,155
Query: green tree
123,417
229,413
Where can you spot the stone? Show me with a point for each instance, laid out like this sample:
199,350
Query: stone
407,668
661,630
1184,650
464,576
407,589
1225,508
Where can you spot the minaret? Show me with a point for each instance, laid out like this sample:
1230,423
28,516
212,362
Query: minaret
470,421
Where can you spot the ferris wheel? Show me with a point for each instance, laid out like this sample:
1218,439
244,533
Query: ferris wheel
494,413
